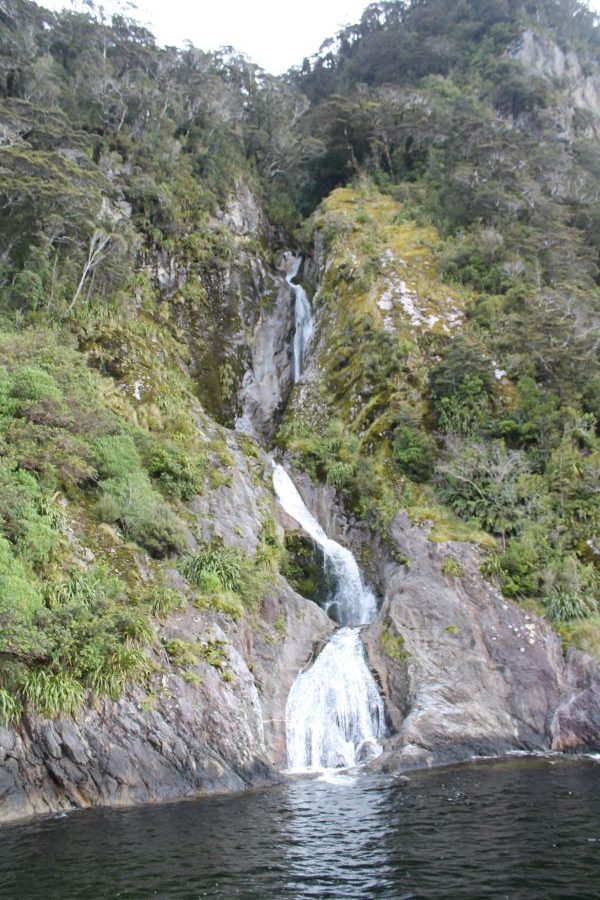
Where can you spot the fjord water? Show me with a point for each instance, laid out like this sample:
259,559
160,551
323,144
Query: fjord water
522,830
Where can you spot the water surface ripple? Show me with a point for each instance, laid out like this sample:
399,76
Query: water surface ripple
510,829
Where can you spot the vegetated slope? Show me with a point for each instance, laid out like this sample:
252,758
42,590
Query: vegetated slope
459,307
144,192
135,257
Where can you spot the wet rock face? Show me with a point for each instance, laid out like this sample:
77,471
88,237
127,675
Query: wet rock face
576,723
268,380
464,671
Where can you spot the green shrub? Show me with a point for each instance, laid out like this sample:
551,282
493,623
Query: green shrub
568,606
224,563
142,513
125,664
28,517
340,475
52,693
393,645
182,654
164,600
214,652
415,452
11,708
84,588
134,625
209,582
452,568
178,474
226,602
108,509
270,551
18,594
32,383
116,456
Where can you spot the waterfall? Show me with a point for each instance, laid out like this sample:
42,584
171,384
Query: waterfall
353,603
334,713
303,320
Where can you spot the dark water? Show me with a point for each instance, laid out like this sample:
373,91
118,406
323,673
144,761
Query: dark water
517,829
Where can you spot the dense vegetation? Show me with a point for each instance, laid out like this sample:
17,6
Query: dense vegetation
417,146
473,177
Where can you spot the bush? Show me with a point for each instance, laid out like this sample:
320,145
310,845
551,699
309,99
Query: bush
32,383
116,456
182,654
28,518
11,708
483,482
178,474
217,562
415,452
123,665
340,475
452,568
143,514
226,602
568,606
164,600
52,693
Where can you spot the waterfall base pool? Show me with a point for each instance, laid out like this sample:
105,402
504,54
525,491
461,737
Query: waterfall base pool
518,829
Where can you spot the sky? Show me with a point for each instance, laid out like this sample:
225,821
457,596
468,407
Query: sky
274,34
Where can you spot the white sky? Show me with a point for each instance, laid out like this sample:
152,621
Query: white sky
273,33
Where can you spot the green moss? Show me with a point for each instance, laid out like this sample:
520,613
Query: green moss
446,526
393,645
182,654
280,625
226,602
301,566
451,567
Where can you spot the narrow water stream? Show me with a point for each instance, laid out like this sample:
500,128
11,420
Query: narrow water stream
303,320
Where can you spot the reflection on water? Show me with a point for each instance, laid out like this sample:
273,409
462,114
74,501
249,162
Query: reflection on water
518,829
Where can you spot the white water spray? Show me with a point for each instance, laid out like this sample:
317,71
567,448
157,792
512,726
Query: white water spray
335,716
334,713
303,320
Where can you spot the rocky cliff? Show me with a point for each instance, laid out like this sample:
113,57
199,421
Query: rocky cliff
152,616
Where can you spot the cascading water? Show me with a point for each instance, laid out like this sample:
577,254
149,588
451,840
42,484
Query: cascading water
352,603
334,714
303,320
